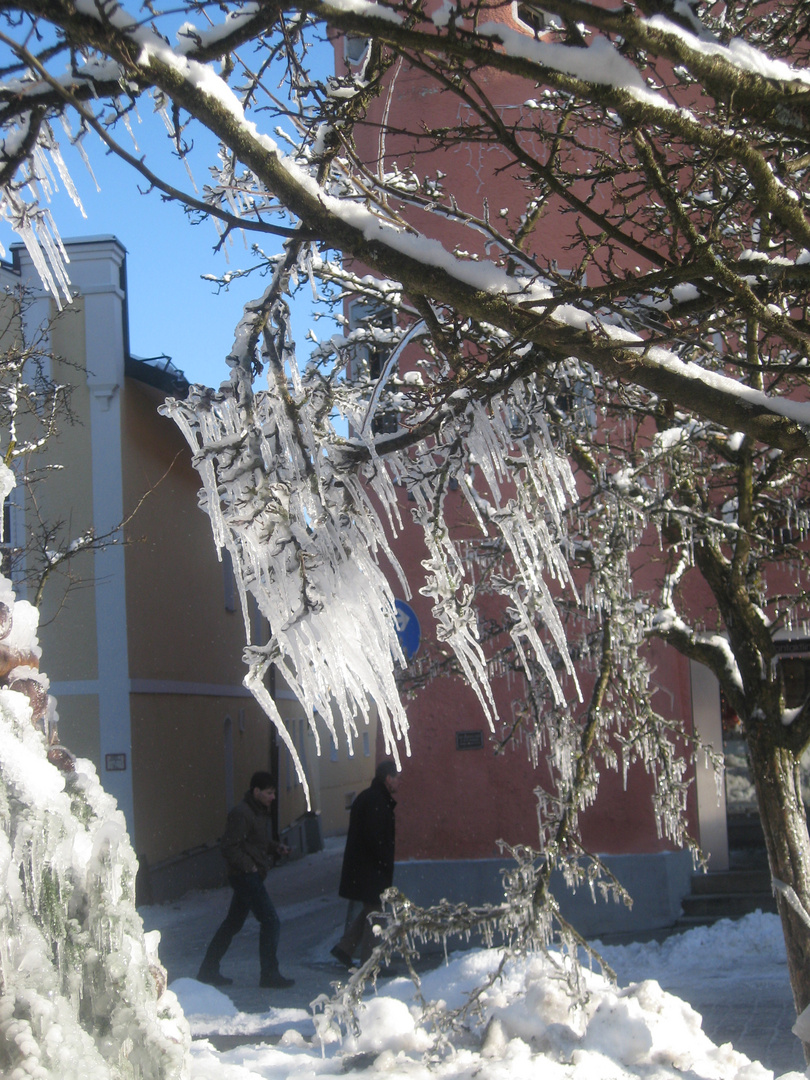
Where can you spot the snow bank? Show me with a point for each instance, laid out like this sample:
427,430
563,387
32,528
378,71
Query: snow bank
527,1025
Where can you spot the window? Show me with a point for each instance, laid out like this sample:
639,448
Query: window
574,394
228,581
385,422
534,17
12,544
297,731
796,680
577,400
302,749
259,626
370,354
5,543
354,48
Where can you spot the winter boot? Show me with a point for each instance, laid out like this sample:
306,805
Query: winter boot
274,980
341,956
213,977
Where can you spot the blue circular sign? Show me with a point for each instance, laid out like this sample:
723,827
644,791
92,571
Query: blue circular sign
408,630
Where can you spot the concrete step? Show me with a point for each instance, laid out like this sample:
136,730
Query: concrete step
748,858
742,889
743,881
745,831
689,922
714,906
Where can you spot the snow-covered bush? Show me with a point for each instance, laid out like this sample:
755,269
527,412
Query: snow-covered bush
82,993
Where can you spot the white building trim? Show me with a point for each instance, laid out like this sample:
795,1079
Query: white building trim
96,274
711,800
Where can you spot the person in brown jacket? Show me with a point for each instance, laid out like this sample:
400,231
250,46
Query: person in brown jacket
248,847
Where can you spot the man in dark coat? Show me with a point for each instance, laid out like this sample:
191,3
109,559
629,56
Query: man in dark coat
368,861
248,848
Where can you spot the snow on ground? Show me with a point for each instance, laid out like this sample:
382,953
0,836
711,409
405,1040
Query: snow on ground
529,1026
209,1011
753,947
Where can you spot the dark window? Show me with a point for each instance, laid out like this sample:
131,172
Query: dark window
796,680
371,355
5,544
469,740
533,17
386,422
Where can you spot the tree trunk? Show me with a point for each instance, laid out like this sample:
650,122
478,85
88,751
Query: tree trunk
784,822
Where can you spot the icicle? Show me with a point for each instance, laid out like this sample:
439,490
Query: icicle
290,502
280,510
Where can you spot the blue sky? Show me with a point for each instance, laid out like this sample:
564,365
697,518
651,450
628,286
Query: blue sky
172,310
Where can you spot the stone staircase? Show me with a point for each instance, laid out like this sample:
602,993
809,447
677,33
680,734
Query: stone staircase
743,888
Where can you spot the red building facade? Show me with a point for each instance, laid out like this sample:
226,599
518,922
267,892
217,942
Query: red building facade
458,797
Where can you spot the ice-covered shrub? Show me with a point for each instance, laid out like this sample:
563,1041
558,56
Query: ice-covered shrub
82,993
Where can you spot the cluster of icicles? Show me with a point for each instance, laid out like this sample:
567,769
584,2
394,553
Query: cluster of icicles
289,501
82,993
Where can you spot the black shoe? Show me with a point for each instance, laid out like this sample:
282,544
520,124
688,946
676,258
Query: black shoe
214,978
275,981
341,956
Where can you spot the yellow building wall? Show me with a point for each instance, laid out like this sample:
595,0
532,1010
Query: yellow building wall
197,736
65,498
344,775
78,722
181,632
334,776
183,646
181,766
180,627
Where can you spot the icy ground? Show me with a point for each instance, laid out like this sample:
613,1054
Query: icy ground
528,1026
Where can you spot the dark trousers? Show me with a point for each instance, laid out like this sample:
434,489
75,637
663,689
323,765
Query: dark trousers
359,930
249,895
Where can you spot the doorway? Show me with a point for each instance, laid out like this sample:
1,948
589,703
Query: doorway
732,811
